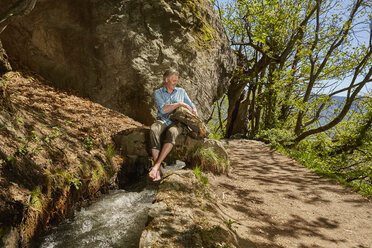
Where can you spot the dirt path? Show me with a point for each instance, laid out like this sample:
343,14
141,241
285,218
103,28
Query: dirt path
278,203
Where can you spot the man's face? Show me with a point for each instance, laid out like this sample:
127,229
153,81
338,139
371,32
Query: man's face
171,82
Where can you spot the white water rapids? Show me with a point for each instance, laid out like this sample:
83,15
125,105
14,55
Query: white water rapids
115,220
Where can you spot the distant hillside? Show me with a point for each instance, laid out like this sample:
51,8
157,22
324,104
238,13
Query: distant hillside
335,108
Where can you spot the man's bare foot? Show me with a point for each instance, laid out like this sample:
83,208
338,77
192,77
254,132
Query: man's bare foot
153,172
158,177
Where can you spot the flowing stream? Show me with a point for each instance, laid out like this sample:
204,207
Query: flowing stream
115,220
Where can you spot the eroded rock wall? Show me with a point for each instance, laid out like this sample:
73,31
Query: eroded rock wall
115,52
56,153
4,64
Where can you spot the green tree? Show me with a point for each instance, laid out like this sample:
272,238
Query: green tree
290,54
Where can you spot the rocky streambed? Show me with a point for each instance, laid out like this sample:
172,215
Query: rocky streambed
115,220
178,212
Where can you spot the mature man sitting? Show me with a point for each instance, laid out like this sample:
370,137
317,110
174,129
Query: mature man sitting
167,99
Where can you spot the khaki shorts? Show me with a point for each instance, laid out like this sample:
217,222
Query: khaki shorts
171,133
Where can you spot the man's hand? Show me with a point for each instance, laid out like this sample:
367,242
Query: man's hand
194,111
182,104
170,107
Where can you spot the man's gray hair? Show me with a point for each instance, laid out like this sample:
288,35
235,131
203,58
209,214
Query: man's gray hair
168,73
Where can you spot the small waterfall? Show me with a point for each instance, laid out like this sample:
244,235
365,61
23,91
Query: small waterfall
115,220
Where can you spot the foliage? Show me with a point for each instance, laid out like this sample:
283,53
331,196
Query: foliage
23,150
345,153
275,136
69,179
70,123
214,234
198,173
5,94
229,223
55,132
88,142
335,167
217,121
11,161
19,119
110,152
292,59
209,160
34,200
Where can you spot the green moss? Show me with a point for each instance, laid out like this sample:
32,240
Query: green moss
206,33
190,4
110,152
98,174
201,30
198,173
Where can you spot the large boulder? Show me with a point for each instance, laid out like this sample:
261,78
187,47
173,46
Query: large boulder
115,51
185,214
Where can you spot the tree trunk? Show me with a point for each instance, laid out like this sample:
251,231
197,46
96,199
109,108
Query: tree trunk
240,126
270,100
234,94
21,7
257,114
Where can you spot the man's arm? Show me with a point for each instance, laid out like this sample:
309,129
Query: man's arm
159,102
167,108
189,103
170,107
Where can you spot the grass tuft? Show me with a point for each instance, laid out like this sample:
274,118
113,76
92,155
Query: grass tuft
209,160
198,173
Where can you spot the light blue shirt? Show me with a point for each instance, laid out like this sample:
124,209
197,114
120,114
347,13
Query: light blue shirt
162,97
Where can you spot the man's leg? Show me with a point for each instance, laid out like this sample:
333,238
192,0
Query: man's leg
155,154
155,172
170,140
155,131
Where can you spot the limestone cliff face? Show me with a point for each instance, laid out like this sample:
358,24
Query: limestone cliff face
115,51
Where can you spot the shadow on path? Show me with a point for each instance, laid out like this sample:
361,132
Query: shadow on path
276,202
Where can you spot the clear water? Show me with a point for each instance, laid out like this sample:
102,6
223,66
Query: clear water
116,220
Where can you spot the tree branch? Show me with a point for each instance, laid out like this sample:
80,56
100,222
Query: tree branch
21,7
346,107
299,34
